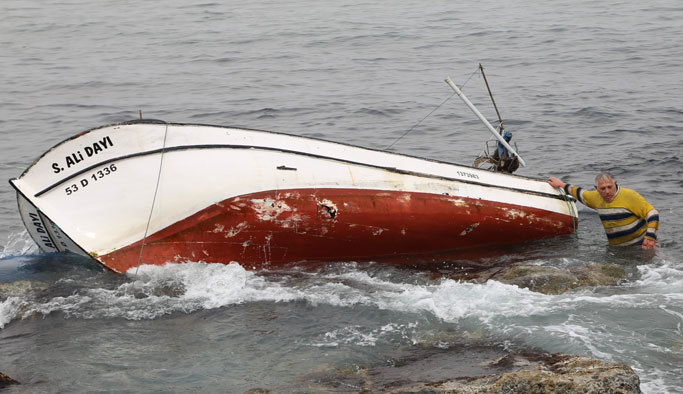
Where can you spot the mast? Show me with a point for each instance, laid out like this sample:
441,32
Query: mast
481,117
500,120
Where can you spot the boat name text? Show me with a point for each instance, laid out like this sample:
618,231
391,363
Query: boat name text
38,225
90,179
77,157
468,175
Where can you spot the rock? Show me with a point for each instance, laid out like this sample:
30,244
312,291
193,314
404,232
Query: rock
6,380
476,369
559,373
551,280
20,288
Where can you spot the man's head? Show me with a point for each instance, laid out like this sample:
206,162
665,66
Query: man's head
606,185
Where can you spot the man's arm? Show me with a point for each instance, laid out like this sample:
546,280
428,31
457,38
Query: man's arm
575,191
650,240
643,209
556,182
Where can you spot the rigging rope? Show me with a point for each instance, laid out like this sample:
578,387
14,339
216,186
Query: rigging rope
149,219
429,114
572,212
468,78
418,123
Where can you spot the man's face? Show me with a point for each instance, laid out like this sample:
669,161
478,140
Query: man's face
607,189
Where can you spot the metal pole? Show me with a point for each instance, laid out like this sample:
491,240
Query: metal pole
481,117
500,120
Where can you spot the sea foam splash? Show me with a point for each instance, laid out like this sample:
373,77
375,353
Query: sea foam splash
184,288
9,309
18,244
160,290
661,277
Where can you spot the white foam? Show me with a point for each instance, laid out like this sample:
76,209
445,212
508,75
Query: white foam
363,336
160,290
662,277
212,285
653,381
356,335
9,309
452,300
449,300
18,244
582,335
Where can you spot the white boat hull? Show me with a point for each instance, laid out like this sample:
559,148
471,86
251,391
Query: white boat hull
221,194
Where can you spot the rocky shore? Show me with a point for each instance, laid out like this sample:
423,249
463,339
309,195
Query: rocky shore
468,365
553,373
472,368
552,280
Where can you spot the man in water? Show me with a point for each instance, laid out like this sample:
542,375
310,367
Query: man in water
627,218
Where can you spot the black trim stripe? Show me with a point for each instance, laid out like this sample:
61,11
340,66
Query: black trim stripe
75,174
630,231
616,216
192,147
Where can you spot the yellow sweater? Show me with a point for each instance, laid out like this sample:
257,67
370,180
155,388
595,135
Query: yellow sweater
627,219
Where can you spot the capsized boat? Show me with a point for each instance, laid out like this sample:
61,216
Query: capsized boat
152,192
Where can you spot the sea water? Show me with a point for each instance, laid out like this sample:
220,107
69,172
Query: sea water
584,86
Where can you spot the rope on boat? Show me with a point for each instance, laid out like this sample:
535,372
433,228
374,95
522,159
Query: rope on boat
156,189
429,114
411,129
572,212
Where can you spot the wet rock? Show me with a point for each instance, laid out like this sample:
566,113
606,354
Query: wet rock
475,369
20,288
551,280
6,380
557,373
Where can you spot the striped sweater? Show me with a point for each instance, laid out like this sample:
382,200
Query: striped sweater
627,219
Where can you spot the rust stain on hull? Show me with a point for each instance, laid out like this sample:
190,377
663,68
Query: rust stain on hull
274,228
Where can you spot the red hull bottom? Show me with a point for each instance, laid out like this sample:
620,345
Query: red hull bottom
270,229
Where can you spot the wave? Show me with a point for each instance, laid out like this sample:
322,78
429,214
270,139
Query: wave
663,276
9,310
574,322
590,321
18,244
184,288
159,290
